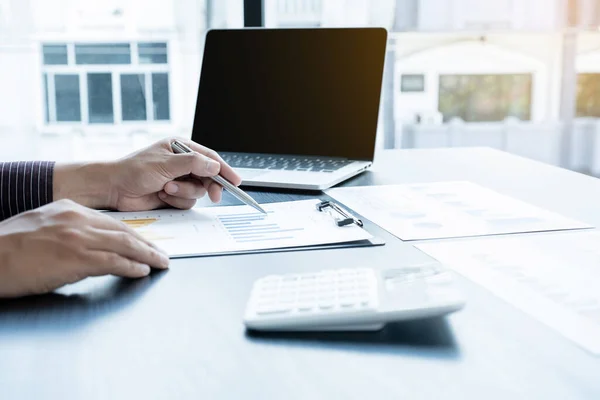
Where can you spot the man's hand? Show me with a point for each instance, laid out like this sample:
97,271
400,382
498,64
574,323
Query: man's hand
62,243
152,178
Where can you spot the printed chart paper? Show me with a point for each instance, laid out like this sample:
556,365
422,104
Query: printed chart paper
448,210
555,278
217,230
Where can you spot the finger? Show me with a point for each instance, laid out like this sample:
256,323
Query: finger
190,189
206,182
107,263
215,192
178,165
226,171
177,202
101,221
128,246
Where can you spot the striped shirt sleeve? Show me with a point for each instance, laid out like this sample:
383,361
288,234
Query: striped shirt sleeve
24,185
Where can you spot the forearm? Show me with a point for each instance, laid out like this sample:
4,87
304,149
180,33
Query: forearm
85,183
24,185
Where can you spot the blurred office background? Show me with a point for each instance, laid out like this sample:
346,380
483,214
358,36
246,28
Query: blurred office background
96,79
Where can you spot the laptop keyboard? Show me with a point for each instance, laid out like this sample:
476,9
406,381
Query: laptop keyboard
288,163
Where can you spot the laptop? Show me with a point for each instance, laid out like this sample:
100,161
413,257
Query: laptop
292,108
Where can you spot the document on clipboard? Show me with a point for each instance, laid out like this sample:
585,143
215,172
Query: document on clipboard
241,229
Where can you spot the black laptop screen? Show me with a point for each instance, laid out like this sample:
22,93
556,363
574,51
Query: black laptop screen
291,91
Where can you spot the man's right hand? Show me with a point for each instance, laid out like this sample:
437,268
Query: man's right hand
62,243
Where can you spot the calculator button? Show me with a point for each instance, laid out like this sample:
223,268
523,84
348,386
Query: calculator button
287,285
267,293
311,303
287,300
273,311
263,305
347,301
327,298
267,299
270,280
326,306
268,285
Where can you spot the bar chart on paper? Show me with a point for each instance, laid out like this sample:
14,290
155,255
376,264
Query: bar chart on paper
253,228
218,230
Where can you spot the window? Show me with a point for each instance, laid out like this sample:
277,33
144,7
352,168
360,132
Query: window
102,54
412,83
99,88
160,94
153,53
588,100
55,54
67,98
133,97
110,83
46,100
485,98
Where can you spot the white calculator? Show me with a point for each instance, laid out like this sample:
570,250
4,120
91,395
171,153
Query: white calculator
350,299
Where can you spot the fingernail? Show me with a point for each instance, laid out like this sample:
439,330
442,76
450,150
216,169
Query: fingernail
172,187
162,195
213,167
164,261
144,269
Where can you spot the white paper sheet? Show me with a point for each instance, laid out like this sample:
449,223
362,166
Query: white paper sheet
216,230
555,278
447,210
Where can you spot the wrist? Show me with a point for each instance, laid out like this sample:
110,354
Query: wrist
88,184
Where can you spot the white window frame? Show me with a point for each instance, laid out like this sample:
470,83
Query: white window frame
116,70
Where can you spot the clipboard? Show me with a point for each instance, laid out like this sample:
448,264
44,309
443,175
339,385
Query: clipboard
341,217
233,230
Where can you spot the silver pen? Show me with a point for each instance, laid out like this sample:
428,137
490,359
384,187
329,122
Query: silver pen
179,147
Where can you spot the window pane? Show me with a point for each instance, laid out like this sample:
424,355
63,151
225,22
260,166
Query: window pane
479,98
106,53
46,103
160,94
588,95
100,99
55,54
133,97
412,83
153,53
68,102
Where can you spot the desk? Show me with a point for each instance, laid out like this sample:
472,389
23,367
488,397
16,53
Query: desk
179,334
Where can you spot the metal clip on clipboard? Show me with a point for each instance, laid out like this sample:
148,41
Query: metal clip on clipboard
341,216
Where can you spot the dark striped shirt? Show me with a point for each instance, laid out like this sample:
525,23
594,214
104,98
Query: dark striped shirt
24,185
